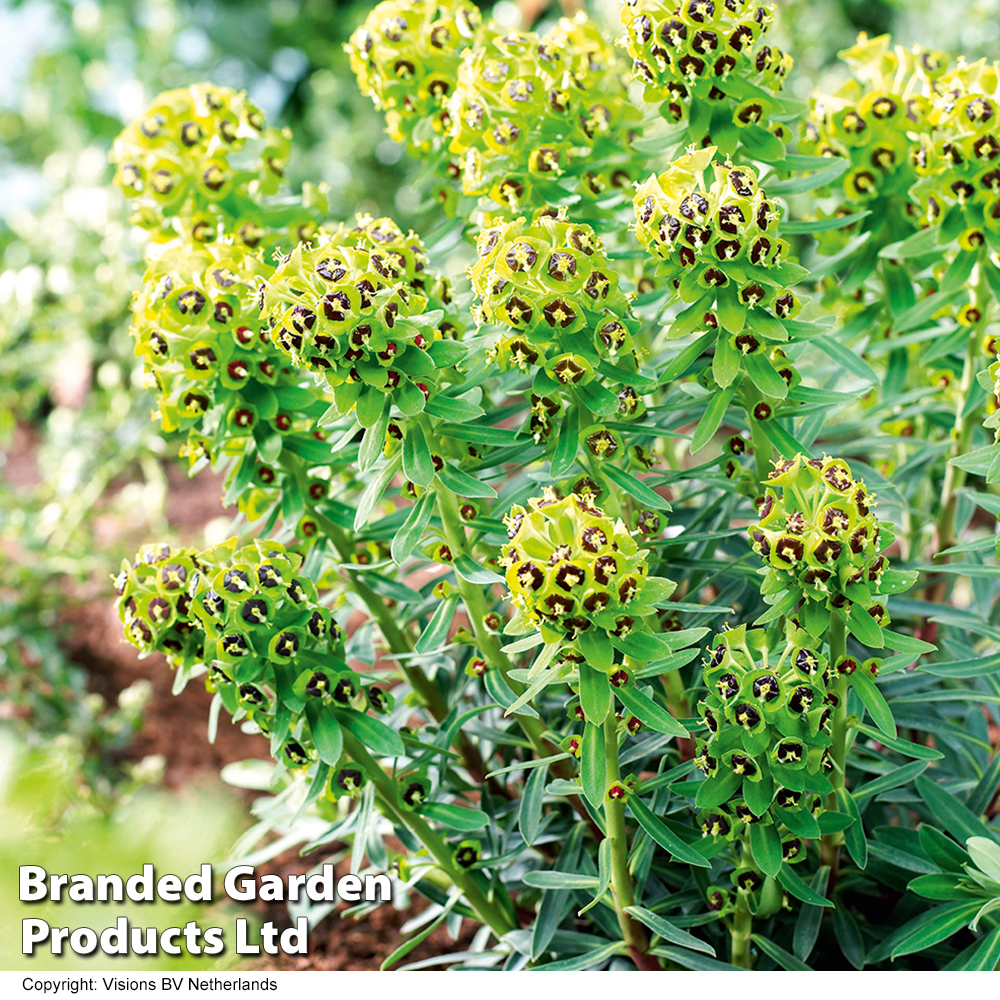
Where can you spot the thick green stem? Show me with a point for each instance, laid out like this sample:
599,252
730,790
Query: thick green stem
762,450
621,878
428,692
741,926
388,798
830,849
489,646
954,477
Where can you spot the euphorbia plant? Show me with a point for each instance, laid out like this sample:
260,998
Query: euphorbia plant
498,474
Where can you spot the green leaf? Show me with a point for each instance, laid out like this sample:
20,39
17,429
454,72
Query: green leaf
635,488
917,245
821,225
561,880
417,463
456,411
916,750
596,647
854,835
376,735
846,358
949,812
864,628
987,954
463,484
797,185
985,853
711,418
693,960
326,734
588,960
907,643
370,407
848,934
785,959
468,569
810,917
604,867
435,634
593,766
901,776
766,847
374,490
792,883
764,376
664,836
666,930
930,928
595,694
648,712
564,454
986,787
408,537
872,698
374,440
456,817
529,814
404,949
680,363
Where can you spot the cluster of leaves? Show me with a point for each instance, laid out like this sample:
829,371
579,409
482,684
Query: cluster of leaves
540,426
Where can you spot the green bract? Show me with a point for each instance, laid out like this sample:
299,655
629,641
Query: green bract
406,57
708,62
354,308
765,758
569,567
821,542
550,280
534,118
194,154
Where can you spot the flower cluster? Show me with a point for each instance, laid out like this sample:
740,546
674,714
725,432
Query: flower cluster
358,308
550,281
217,373
534,118
703,57
719,249
195,155
570,567
959,161
765,757
821,542
406,57
870,122
272,651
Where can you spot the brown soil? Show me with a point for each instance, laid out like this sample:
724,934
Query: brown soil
175,727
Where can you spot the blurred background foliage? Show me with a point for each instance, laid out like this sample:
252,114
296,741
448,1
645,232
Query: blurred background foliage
81,465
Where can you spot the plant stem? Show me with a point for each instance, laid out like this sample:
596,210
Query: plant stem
621,877
830,850
489,646
762,450
740,933
388,797
954,477
428,692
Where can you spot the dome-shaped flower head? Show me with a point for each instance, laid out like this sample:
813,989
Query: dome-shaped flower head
959,159
194,154
532,113
821,542
198,330
569,567
347,308
718,246
768,728
873,121
551,283
695,54
154,603
406,57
